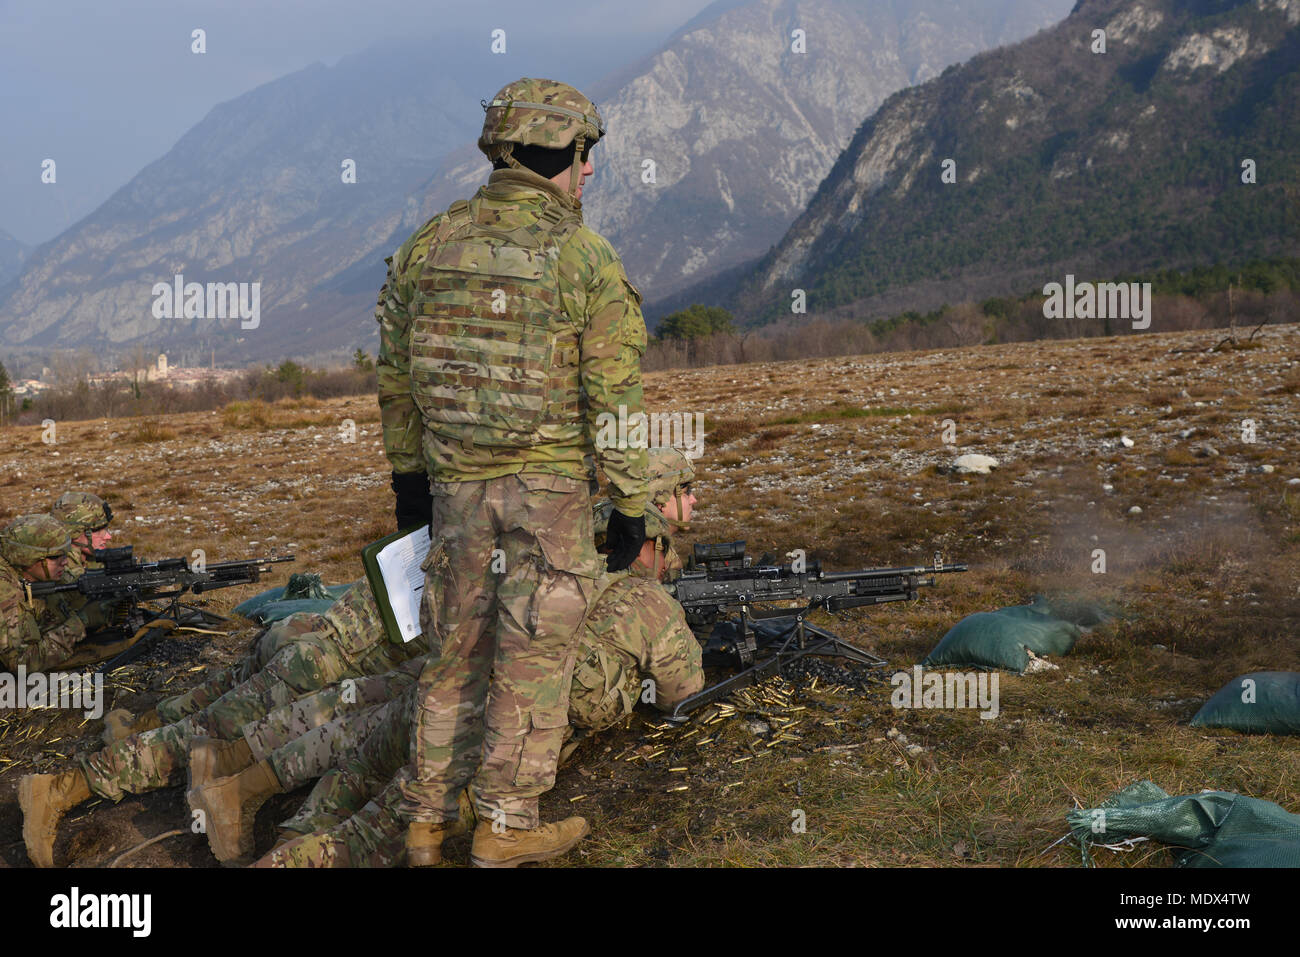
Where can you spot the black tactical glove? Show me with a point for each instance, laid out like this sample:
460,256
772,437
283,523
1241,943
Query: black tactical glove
414,500
624,538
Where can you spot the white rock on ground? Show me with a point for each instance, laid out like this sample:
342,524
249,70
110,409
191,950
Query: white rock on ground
974,464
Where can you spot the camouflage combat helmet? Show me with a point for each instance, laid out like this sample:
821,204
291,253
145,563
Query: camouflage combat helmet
82,512
546,113
668,470
29,538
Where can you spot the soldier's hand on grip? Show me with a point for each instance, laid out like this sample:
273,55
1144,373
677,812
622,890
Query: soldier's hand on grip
414,500
624,538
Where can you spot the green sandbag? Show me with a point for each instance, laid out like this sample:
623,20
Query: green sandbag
1262,702
303,592
274,611
999,639
1218,828
249,607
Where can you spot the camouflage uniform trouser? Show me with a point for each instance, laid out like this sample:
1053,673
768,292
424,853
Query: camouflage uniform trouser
271,640
345,788
309,662
497,698
311,754
375,836
335,704
310,744
354,816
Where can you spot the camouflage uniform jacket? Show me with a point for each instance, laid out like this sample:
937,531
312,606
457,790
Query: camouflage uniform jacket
38,635
593,294
635,630
362,637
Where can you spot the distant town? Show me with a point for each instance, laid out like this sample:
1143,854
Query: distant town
160,371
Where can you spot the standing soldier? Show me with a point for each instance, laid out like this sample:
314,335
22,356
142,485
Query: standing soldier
506,328
35,633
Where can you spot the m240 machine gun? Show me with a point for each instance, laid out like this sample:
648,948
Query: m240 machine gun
722,582
125,585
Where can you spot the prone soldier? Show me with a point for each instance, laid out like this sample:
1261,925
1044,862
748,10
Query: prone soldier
37,633
635,646
87,517
309,653
634,633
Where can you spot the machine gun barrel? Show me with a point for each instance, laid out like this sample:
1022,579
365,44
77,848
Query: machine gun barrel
122,576
891,572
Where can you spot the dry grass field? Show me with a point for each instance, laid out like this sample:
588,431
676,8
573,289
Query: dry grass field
844,458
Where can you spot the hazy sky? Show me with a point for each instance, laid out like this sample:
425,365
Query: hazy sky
105,87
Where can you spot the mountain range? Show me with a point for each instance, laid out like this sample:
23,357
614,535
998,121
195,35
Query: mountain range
743,112
1178,145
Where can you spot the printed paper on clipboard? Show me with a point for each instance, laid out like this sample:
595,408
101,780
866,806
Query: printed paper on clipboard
399,564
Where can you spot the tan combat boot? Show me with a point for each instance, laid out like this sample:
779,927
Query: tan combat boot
229,807
424,839
119,724
424,843
468,816
45,798
566,752
520,846
212,758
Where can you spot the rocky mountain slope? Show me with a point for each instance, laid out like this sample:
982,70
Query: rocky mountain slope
1065,160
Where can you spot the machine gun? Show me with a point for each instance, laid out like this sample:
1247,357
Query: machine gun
721,581
128,584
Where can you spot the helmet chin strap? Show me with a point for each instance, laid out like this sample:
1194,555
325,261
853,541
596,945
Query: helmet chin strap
681,522
575,171
507,154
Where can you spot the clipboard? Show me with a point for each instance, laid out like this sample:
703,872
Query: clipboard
408,547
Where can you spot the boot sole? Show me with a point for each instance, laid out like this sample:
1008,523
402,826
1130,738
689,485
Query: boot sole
423,860
534,857
25,802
